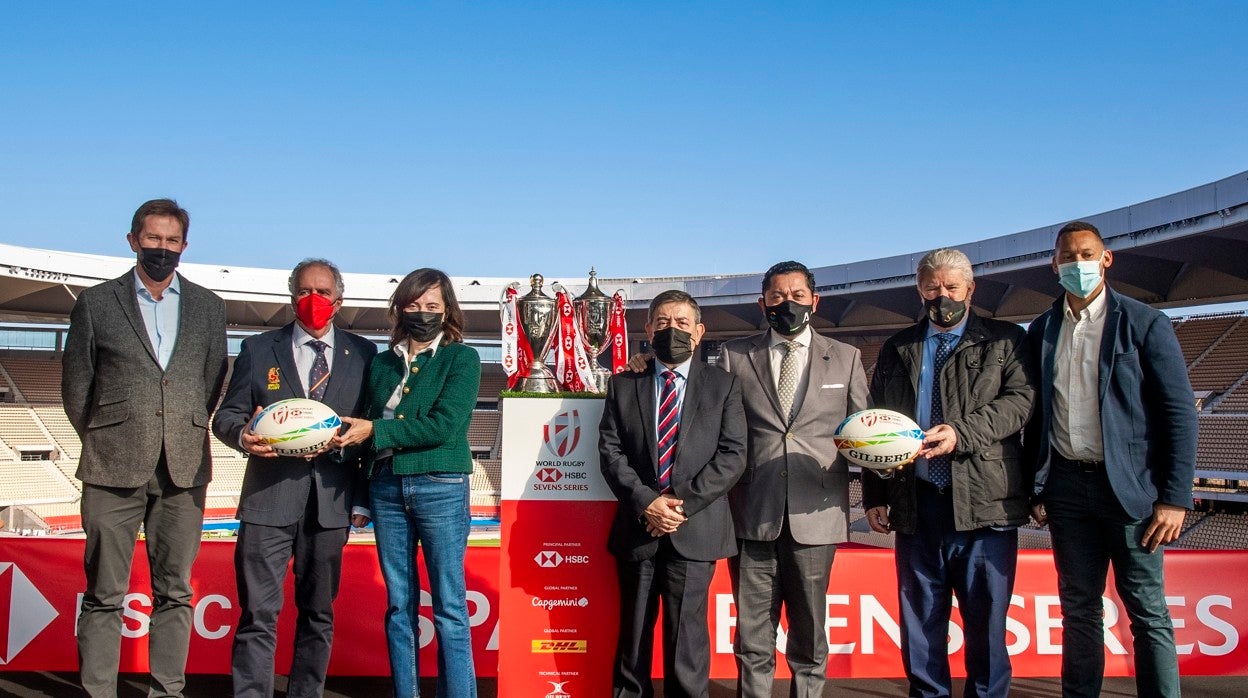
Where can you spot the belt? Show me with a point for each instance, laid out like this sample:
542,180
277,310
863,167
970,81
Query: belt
931,489
1087,466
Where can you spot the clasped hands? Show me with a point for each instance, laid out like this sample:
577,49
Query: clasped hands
664,515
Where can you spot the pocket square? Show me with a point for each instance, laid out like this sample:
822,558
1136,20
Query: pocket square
832,385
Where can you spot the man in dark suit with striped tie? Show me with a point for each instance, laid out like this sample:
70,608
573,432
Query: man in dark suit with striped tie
294,507
672,444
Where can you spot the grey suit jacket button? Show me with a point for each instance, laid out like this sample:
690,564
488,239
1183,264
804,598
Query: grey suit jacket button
784,473
160,413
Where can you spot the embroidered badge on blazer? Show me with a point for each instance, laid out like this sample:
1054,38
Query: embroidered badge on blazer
275,378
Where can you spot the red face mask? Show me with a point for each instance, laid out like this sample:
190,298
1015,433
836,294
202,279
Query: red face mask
314,311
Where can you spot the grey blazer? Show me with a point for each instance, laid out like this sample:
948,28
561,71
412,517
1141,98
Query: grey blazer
125,408
795,467
275,490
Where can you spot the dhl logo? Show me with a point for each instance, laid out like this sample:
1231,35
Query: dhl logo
560,646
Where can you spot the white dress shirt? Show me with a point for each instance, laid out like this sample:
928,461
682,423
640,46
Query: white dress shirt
1076,430
775,356
306,355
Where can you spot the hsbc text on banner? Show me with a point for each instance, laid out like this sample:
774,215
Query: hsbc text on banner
557,588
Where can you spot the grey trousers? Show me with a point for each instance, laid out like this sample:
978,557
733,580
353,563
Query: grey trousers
172,519
769,575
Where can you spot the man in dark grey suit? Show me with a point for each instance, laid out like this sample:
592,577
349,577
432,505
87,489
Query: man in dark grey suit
791,507
298,507
672,443
142,370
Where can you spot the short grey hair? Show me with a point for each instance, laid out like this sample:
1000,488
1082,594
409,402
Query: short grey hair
945,258
315,262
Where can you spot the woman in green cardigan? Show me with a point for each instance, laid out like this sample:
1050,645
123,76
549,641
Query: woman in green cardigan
421,396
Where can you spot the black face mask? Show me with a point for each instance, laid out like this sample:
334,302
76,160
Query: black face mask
788,318
421,327
944,311
157,262
672,345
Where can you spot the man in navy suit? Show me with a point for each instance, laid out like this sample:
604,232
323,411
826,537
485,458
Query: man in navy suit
294,507
672,444
1114,447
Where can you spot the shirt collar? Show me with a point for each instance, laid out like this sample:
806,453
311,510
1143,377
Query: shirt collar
175,286
681,370
1094,311
933,329
400,349
774,339
301,337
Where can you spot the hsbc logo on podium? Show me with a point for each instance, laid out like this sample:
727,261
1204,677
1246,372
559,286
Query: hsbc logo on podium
561,434
553,558
24,612
549,475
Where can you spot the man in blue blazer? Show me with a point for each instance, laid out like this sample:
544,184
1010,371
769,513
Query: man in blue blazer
294,507
1114,447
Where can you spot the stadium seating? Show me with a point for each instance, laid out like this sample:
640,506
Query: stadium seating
38,380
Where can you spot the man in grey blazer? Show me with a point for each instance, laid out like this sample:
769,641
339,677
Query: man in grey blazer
142,370
294,507
791,507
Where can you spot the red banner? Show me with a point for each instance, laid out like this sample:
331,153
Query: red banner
41,578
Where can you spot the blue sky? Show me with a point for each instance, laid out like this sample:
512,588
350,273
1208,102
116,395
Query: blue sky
647,139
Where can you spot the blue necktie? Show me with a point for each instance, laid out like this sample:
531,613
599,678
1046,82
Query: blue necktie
318,375
668,431
940,468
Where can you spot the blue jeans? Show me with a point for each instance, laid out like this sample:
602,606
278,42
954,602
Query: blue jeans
432,510
936,563
1090,530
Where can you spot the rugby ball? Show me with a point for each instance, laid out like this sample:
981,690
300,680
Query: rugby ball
878,439
297,426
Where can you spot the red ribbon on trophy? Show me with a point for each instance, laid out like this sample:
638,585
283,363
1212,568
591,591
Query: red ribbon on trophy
517,354
571,363
618,334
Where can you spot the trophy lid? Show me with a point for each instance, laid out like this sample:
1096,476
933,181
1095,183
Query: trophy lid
535,282
593,292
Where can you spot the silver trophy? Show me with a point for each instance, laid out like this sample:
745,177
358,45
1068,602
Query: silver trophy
537,321
593,311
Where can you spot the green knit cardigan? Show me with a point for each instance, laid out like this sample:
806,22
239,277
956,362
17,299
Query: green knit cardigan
429,431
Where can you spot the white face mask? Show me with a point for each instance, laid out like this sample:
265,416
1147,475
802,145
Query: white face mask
1080,278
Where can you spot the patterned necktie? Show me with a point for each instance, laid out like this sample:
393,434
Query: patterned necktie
318,376
668,431
786,388
940,468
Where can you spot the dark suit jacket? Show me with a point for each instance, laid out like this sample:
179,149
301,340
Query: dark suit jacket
1148,411
125,408
275,490
710,457
792,471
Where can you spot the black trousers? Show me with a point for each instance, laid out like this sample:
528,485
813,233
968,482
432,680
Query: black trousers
681,586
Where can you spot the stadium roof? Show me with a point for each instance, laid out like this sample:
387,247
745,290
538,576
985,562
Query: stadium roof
1186,249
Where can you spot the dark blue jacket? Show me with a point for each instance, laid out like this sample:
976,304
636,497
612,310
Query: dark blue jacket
1148,411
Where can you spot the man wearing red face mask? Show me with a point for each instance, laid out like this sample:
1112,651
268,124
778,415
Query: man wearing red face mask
298,507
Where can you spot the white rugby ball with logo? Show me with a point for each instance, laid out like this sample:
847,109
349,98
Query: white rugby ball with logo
296,427
878,439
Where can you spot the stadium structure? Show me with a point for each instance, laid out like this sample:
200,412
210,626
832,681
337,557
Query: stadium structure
1181,252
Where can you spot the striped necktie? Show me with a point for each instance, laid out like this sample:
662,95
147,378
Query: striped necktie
669,429
318,375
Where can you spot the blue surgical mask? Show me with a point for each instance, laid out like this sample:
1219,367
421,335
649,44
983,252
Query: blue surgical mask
1080,278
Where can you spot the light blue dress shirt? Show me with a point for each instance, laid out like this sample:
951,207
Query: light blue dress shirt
923,403
160,316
